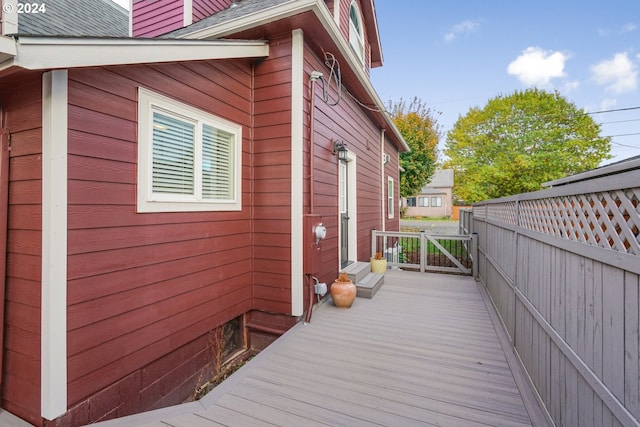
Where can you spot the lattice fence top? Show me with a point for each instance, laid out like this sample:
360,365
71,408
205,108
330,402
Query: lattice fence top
609,219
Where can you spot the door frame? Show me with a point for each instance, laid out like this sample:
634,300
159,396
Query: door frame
352,210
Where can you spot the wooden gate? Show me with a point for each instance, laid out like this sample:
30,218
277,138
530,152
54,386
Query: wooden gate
449,253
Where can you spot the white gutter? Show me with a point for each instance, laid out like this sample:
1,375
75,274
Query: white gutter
327,20
8,48
36,53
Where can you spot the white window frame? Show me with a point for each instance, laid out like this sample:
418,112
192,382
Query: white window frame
356,32
149,201
437,200
390,197
423,202
342,190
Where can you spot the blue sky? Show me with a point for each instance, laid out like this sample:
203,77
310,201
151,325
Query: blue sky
456,54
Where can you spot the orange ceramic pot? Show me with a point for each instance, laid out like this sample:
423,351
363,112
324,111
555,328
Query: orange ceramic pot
343,293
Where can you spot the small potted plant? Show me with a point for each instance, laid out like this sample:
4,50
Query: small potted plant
378,263
343,291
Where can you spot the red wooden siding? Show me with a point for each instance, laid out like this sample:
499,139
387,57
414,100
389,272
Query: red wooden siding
348,122
272,182
204,8
21,370
143,286
152,18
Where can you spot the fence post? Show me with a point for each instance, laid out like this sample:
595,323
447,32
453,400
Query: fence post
374,242
423,251
474,255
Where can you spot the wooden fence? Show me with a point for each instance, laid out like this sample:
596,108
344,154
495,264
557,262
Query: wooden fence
562,267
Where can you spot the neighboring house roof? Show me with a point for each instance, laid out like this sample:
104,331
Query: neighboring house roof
430,191
443,178
102,18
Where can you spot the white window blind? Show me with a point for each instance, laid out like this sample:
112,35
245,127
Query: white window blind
217,164
173,155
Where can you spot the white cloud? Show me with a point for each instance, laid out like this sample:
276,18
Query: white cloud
603,32
608,103
536,66
461,28
618,74
570,86
627,28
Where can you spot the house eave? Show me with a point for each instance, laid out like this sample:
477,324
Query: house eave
36,53
8,48
319,9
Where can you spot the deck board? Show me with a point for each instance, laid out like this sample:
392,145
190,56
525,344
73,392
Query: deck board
423,351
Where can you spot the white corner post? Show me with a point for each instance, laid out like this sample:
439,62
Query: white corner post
54,244
297,165
383,197
187,13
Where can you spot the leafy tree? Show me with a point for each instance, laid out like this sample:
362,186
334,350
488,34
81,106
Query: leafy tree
517,142
420,130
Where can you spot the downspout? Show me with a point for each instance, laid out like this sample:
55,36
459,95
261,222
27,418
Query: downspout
312,108
383,197
315,75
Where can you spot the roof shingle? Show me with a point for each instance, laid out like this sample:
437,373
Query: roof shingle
77,18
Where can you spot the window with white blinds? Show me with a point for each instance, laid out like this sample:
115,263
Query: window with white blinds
188,159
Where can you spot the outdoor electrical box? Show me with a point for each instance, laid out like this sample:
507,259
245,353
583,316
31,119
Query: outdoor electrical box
314,233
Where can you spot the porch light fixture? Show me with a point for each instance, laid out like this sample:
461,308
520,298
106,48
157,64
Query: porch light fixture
340,147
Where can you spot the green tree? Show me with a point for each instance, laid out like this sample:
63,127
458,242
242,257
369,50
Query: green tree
517,142
421,131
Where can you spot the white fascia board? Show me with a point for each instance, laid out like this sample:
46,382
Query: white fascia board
36,53
327,20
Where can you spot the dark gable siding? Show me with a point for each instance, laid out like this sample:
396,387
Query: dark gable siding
272,179
153,18
21,102
204,8
145,286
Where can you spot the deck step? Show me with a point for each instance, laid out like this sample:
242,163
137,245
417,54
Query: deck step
357,271
369,285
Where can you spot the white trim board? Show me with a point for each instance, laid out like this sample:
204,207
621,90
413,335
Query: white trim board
53,348
297,162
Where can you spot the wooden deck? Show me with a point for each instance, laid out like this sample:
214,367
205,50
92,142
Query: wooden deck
423,351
